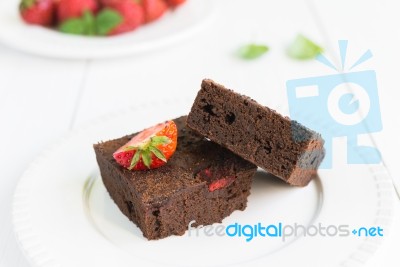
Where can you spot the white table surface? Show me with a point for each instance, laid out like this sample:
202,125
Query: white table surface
42,99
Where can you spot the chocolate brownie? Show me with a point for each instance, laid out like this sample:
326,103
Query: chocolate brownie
259,134
202,181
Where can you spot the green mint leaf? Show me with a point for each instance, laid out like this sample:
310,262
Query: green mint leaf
83,26
89,23
107,20
158,153
135,159
303,48
72,26
146,157
160,140
252,51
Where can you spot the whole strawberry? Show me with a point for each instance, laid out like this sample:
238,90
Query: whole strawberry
109,2
154,9
68,9
39,12
149,149
132,16
175,3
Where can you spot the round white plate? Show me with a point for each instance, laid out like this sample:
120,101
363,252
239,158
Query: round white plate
63,215
173,27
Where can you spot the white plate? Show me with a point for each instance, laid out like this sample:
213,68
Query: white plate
63,215
173,27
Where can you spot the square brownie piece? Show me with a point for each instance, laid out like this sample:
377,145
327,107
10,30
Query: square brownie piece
258,134
202,181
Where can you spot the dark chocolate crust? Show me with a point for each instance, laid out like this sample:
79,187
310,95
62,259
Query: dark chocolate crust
259,134
162,202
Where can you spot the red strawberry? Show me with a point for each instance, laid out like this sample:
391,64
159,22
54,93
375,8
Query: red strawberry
216,179
154,9
68,9
221,183
149,149
175,3
132,14
108,2
40,12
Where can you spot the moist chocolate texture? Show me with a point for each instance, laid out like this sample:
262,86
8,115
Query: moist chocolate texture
283,147
163,201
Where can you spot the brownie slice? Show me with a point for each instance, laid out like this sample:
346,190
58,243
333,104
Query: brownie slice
202,181
259,134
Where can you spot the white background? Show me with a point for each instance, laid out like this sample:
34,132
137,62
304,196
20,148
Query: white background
42,99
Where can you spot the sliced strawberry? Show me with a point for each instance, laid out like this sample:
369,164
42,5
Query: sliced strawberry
39,12
68,9
149,149
175,3
132,14
154,9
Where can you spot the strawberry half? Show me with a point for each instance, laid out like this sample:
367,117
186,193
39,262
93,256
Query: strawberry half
39,12
149,149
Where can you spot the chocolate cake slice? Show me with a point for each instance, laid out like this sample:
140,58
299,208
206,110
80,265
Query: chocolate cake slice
258,134
202,181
